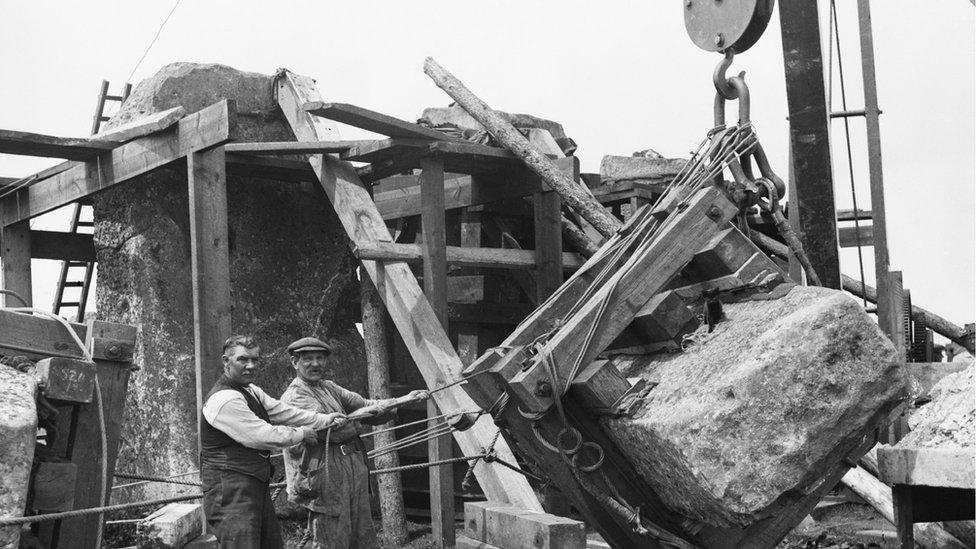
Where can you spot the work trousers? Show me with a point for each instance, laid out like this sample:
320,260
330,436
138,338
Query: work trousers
341,518
239,510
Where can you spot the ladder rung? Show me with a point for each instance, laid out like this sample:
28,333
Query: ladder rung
69,304
86,224
77,264
114,98
848,114
74,284
104,118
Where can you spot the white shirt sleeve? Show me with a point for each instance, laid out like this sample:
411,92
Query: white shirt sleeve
227,410
284,414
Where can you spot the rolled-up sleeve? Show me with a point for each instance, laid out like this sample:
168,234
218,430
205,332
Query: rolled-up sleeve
230,414
281,413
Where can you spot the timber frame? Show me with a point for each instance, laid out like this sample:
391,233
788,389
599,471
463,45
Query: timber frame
695,251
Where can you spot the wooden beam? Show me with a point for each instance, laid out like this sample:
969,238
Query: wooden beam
36,144
146,125
435,288
62,246
201,130
16,242
412,314
292,147
373,121
460,192
265,167
459,256
645,274
210,265
813,201
548,243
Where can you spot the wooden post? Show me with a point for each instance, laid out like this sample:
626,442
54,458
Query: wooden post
84,446
813,202
16,261
375,337
435,287
210,265
548,243
901,496
467,332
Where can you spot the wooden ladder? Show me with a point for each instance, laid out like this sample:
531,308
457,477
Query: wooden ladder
82,278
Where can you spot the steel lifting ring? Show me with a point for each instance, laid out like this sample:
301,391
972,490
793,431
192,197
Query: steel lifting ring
737,83
542,440
596,463
576,444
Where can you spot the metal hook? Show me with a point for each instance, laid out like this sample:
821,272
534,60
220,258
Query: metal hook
722,85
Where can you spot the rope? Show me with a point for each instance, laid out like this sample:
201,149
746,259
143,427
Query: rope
426,464
847,137
165,480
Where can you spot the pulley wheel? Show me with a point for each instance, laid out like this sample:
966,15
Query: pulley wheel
726,25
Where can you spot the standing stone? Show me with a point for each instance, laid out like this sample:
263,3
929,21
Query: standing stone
291,271
749,415
18,430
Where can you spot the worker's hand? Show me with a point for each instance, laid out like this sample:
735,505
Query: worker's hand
419,394
337,419
311,437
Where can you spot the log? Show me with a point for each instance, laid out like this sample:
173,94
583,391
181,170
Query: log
506,134
878,495
392,519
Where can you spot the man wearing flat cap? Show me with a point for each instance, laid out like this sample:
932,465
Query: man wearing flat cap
329,477
241,426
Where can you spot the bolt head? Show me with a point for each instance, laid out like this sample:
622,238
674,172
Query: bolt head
687,3
543,389
714,212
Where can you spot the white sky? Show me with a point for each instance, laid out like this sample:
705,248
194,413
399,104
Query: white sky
620,76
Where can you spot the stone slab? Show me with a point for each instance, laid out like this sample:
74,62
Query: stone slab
172,526
521,529
754,411
18,429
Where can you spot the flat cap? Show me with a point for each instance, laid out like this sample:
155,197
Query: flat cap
306,344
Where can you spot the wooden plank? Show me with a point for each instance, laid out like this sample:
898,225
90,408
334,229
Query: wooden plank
938,467
673,246
146,125
488,313
210,265
293,147
16,242
459,256
53,487
548,243
380,150
459,192
373,121
435,288
201,130
36,144
265,167
412,314
847,237
902,502
85,447
468,329
37,338
62,246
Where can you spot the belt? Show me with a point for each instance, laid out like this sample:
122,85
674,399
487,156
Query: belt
351,447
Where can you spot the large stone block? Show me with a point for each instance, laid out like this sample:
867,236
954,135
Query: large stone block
291,270
753,411
18,429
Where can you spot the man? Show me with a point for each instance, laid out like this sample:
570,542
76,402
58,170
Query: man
241,426
331,480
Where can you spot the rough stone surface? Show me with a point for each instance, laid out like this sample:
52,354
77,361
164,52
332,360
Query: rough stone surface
754,410
456,115
639,168
949,420
18,429
291,271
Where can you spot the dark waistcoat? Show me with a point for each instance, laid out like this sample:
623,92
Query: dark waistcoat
220,451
